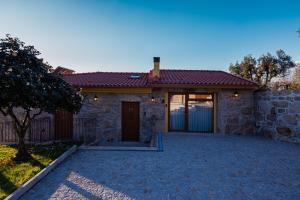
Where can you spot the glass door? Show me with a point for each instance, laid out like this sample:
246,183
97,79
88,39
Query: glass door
200,116
193,112
200,113
177,112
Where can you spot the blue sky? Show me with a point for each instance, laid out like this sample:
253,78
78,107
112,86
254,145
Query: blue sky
111,35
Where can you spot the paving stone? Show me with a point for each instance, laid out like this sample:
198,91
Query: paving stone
191,167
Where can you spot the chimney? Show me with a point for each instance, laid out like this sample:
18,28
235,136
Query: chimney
62,70
155,71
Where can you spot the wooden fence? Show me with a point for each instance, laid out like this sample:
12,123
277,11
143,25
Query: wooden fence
42,130
84,129
39,131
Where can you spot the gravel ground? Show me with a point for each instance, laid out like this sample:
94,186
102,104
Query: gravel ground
191,167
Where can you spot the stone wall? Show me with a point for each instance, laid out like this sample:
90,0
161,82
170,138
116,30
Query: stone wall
235,114
107,111
277,114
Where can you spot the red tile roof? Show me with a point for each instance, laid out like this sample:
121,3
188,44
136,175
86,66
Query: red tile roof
107,79
202,77
167,77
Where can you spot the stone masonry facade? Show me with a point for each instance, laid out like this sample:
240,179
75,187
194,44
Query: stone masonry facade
107,112
274,114
277,114
235,113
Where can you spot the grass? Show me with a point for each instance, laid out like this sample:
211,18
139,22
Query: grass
14,174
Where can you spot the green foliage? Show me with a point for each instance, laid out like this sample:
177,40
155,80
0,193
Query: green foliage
246,68
14,174
27,84
25,81
264,69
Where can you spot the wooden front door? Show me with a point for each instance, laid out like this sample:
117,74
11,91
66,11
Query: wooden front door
130,121
63,125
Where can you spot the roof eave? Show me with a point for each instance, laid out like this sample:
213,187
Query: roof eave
248,87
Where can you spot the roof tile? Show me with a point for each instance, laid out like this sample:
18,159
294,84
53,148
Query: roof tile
167,77
107,79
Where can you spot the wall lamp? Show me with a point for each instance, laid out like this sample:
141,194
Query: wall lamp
157,100
235,94
96,98
152,99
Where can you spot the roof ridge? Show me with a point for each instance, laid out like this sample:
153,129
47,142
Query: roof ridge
110,72
203,70
100,72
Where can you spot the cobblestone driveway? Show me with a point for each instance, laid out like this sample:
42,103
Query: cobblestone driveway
191,167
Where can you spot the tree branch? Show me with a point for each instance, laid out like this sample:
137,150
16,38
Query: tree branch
36,114
3,112
27,117
16,128
32,118
14,117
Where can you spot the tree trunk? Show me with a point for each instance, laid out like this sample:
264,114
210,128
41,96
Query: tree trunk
22,154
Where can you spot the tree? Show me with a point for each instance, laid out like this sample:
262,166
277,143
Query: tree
296,75
265,68
28,88
245,69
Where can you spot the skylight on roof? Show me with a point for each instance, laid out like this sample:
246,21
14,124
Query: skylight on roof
135,76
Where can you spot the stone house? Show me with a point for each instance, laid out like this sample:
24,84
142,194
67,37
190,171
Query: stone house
133,106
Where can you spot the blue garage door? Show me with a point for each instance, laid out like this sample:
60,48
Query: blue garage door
191,112
200,116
